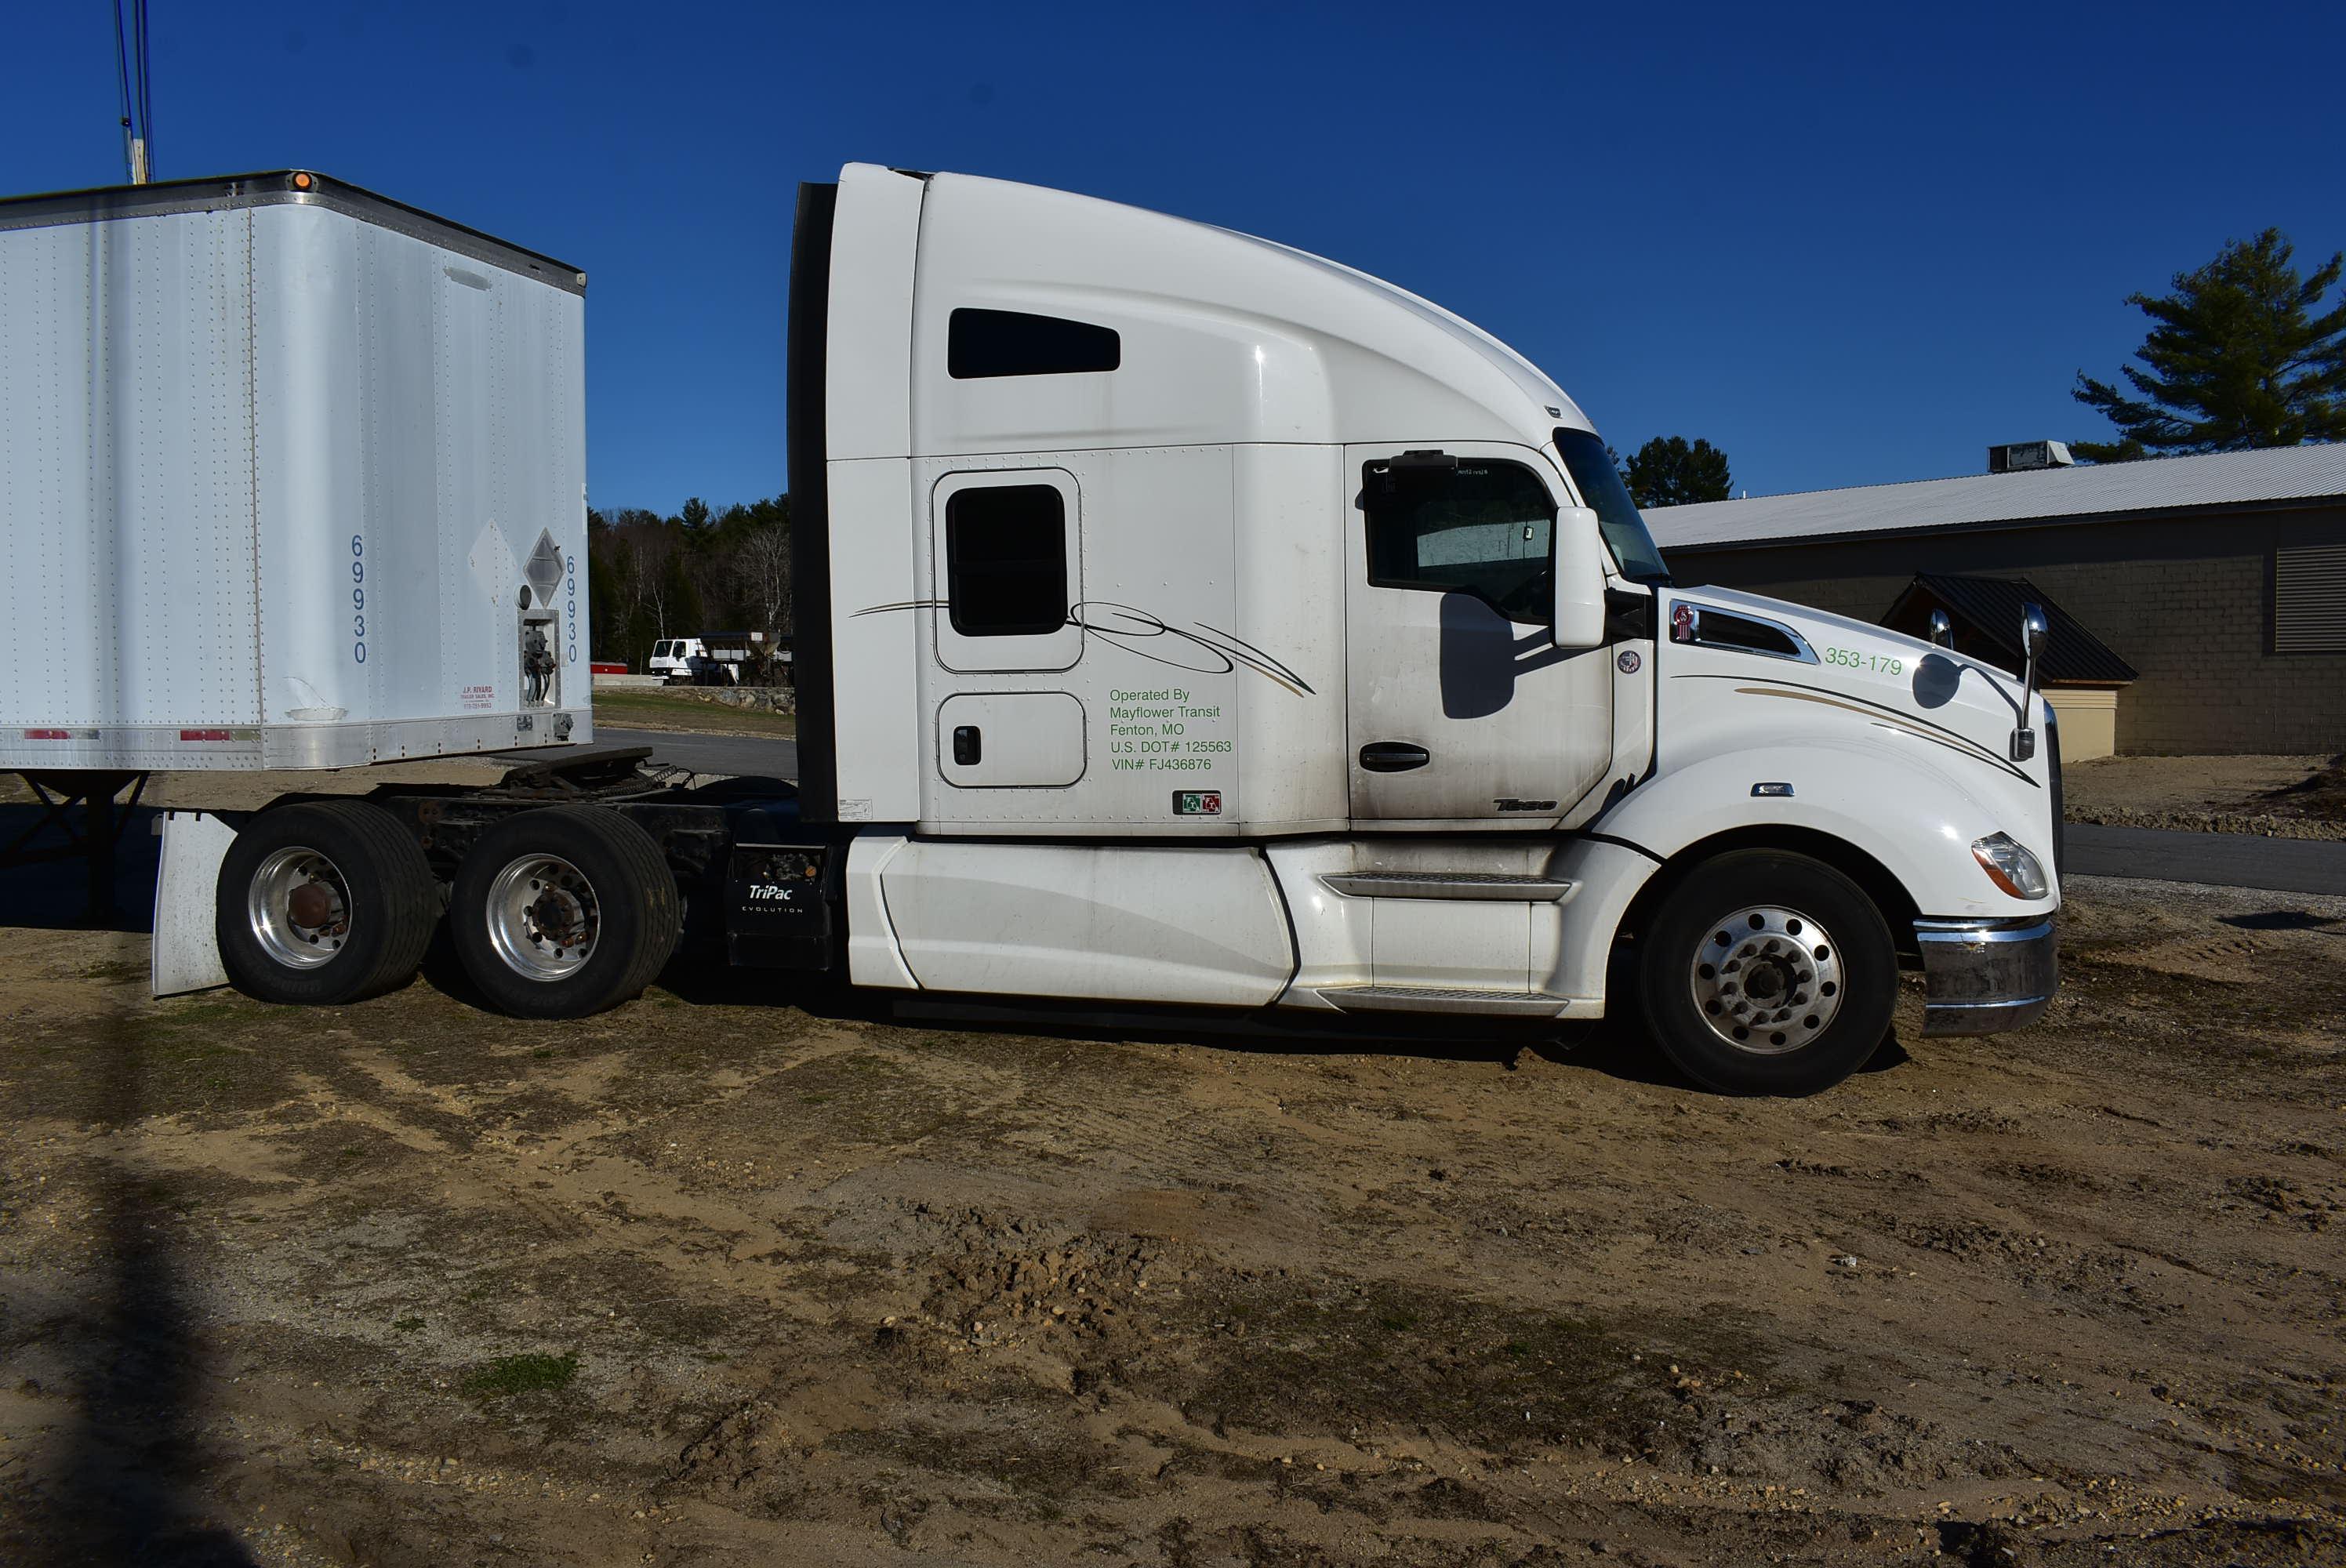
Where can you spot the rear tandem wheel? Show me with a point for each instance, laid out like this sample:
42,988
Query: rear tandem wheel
323,903
564,911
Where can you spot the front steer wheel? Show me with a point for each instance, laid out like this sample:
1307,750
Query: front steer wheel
322,903
1765,972
564,911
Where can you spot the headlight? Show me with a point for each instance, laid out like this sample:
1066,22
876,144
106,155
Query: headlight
2010,866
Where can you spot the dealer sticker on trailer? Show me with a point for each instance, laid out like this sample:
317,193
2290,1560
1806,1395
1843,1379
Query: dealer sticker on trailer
1196,803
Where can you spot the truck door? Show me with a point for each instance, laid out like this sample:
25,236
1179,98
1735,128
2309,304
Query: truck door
1460,711
1007,557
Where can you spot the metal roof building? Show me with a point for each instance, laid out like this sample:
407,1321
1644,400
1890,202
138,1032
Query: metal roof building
2227,479
2220,579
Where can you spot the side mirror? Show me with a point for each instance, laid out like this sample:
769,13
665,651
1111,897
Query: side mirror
2034,634
1579,616
1942,631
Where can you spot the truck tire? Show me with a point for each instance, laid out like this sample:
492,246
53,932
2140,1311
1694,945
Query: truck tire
322,903
564,911
1766,972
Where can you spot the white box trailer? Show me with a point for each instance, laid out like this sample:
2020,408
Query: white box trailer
291,476
1184,620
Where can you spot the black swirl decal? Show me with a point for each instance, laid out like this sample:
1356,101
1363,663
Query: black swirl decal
1199,648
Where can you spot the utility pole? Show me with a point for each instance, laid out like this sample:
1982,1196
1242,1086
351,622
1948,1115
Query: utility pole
131,69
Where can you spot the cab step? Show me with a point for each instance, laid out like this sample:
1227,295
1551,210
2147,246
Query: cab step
1444,999
1475,885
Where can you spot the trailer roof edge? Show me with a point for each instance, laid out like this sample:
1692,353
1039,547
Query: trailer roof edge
303,188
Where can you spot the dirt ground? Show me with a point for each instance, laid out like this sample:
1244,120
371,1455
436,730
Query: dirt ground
2285,797
712,1279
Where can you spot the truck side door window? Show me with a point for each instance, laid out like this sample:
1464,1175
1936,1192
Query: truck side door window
1006,560
1481,526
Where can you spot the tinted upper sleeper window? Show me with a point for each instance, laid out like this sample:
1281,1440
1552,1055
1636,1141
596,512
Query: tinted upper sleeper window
980,343
1006,560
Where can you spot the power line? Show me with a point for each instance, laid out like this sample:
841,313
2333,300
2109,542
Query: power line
122,79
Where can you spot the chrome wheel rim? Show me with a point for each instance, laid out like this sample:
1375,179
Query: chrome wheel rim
544,920
1767,979
298,907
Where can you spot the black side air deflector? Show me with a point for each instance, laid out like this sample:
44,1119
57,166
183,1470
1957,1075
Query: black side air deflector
807,371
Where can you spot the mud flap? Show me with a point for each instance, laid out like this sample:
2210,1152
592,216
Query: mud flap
185,954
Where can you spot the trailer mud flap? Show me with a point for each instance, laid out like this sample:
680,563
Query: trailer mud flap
778,906
185,954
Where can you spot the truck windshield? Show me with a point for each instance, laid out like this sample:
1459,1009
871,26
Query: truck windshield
1600,488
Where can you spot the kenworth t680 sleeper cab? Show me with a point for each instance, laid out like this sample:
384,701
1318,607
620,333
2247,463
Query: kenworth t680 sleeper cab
1187,619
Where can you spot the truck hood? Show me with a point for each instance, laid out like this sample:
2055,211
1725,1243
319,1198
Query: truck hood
1885,679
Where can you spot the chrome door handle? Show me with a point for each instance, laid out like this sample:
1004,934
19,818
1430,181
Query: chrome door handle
1394,756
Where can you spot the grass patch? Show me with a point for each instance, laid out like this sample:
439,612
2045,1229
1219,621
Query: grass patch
640,708
530,1372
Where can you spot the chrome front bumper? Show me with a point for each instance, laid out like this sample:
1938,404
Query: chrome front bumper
1984,977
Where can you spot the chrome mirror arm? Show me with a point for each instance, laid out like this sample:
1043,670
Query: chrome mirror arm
2034,634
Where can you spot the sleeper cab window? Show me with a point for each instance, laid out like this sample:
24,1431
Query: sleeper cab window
986,344
1006,560
1479,526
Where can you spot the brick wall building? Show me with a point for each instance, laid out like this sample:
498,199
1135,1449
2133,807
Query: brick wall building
2221,579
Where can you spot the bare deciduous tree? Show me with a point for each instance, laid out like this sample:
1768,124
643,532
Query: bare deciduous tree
765,564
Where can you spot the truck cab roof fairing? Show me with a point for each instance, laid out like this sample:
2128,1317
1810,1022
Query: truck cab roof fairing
1224,338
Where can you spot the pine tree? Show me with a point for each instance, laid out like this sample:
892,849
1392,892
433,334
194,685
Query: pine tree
1669,471
2237,360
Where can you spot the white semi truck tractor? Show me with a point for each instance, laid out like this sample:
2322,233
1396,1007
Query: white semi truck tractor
1185,619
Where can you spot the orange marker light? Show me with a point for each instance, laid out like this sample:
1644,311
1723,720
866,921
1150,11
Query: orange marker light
301,182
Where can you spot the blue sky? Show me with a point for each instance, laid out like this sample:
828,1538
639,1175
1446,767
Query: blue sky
1849,245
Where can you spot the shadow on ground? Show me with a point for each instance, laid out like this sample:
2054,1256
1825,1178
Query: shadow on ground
53,895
